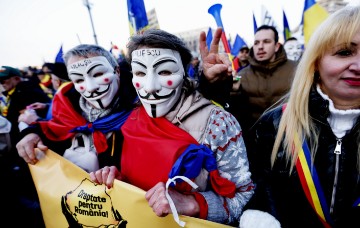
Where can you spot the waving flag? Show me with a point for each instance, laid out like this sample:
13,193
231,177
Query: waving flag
254,22
267,19
113,47
313,15
138,21
286,32
238,44
209,38
59,56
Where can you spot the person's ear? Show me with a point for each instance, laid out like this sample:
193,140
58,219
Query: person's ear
17,78
277,46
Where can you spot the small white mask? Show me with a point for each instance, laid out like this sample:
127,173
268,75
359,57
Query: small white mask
158,75
293,49
96,80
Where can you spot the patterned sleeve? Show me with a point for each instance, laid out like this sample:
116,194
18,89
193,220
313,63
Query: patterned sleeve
224,138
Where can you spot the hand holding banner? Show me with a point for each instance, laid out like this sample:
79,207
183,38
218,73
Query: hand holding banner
69,199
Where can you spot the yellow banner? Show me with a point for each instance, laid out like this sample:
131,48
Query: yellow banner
69,199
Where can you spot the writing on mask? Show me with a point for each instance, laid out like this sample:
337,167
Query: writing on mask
79,64
144,52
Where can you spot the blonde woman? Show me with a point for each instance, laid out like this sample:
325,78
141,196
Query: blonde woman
307,166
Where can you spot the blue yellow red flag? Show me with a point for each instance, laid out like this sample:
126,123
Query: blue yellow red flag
138,20
313,15
113,47
286,32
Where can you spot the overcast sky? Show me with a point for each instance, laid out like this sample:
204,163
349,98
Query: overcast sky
32,31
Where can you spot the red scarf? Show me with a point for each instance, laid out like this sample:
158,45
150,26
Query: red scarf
151,147
65,118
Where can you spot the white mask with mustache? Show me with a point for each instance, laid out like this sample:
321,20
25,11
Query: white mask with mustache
95,79
158,75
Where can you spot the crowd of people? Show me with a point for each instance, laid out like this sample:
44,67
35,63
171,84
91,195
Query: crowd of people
275,144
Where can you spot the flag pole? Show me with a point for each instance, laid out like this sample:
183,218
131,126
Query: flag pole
87,4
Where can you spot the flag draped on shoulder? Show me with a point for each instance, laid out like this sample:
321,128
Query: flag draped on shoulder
138,21
59,56
286,32
313,15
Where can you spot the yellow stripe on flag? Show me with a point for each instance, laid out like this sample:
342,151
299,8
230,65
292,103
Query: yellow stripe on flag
309,179
312,19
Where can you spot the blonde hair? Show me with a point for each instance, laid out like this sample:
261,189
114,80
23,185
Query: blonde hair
339,27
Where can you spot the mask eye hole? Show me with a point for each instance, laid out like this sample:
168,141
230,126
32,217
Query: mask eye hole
164,73
79,81
98,74
139,74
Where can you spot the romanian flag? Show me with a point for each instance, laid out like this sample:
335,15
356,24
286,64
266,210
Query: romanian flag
138,21
313,15
286,32
113,47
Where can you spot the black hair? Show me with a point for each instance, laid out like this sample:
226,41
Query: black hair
269,27
290,38
157,38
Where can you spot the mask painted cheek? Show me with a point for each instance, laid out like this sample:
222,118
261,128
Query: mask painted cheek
106,80
171,83
137,85
80,88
